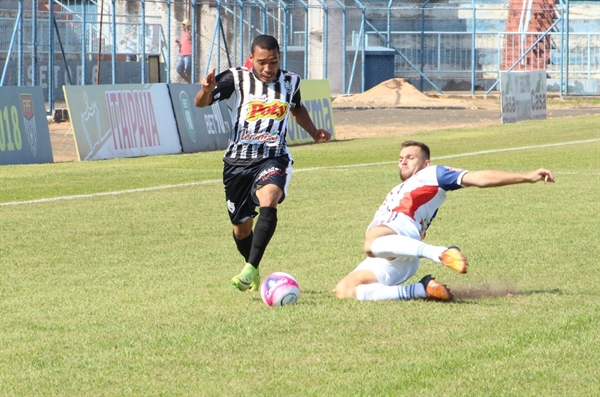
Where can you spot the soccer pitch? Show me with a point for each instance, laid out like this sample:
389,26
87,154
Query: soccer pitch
115,276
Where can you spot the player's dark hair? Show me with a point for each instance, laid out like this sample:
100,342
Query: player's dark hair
424,147
265,42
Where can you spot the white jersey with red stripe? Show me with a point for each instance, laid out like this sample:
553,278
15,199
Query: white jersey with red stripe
411,206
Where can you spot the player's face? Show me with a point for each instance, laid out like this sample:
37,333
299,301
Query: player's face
265,64
410,161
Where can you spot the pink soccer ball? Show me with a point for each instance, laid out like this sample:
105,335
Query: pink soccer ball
279,289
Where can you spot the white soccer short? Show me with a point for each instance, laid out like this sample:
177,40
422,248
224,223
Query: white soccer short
402,268
392,272
401,224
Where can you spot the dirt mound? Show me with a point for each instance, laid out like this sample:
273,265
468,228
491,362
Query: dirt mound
396,93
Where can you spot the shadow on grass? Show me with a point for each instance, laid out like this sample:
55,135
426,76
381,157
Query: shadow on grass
462,293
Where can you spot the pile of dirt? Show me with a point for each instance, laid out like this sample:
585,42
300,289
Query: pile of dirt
397,93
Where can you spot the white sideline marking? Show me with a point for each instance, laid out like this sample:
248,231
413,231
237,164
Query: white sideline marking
148,189
516,148
452,156
115,193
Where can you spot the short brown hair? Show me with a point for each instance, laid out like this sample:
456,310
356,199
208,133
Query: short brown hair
424,147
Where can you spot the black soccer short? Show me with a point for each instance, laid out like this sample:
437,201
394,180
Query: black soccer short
242,181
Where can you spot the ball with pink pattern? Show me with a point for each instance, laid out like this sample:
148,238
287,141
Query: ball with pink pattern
279,289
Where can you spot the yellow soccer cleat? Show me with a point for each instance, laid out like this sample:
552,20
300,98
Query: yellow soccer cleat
248,279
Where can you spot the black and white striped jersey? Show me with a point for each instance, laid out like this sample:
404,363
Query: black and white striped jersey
259,113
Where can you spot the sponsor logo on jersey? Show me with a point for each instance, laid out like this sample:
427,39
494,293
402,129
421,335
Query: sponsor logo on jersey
272,110
254,97
252,139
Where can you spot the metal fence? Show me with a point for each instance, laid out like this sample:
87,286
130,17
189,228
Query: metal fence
441,46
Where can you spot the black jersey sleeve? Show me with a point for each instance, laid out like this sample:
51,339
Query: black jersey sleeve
225,86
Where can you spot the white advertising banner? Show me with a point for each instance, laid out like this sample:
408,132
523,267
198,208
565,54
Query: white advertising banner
523,96
127,120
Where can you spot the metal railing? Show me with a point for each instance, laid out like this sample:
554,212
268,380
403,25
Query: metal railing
353,44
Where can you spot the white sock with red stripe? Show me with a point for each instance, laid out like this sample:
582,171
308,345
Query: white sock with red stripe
380,292
396,245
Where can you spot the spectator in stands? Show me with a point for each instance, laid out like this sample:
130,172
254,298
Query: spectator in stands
184,65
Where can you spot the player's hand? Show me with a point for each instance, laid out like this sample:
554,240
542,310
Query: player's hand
542,174
209,82
322,136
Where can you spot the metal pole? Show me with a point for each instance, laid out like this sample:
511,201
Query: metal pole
100,42
589,56
142,39
83,44
389,22
220,27
225,42
194,5
306,38
422,43
360,36
168,60
283,34
114,46
562,49
243,53
567,52
474,22
51,24
325,36
34,44
326,42
20,46
62,51
343,8
363,49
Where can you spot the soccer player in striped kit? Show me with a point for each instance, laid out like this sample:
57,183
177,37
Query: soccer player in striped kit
257,163
393,240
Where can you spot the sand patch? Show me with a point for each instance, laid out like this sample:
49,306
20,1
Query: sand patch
397,93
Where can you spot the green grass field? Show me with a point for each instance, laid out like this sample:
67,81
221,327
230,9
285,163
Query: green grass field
114,277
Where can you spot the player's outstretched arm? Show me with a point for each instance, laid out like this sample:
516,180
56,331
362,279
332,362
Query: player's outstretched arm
204,96
303,119
493,178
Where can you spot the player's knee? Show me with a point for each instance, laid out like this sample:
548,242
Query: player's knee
343,290
242,230
367,249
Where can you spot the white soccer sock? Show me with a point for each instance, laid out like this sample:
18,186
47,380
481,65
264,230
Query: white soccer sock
380,292
396,245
